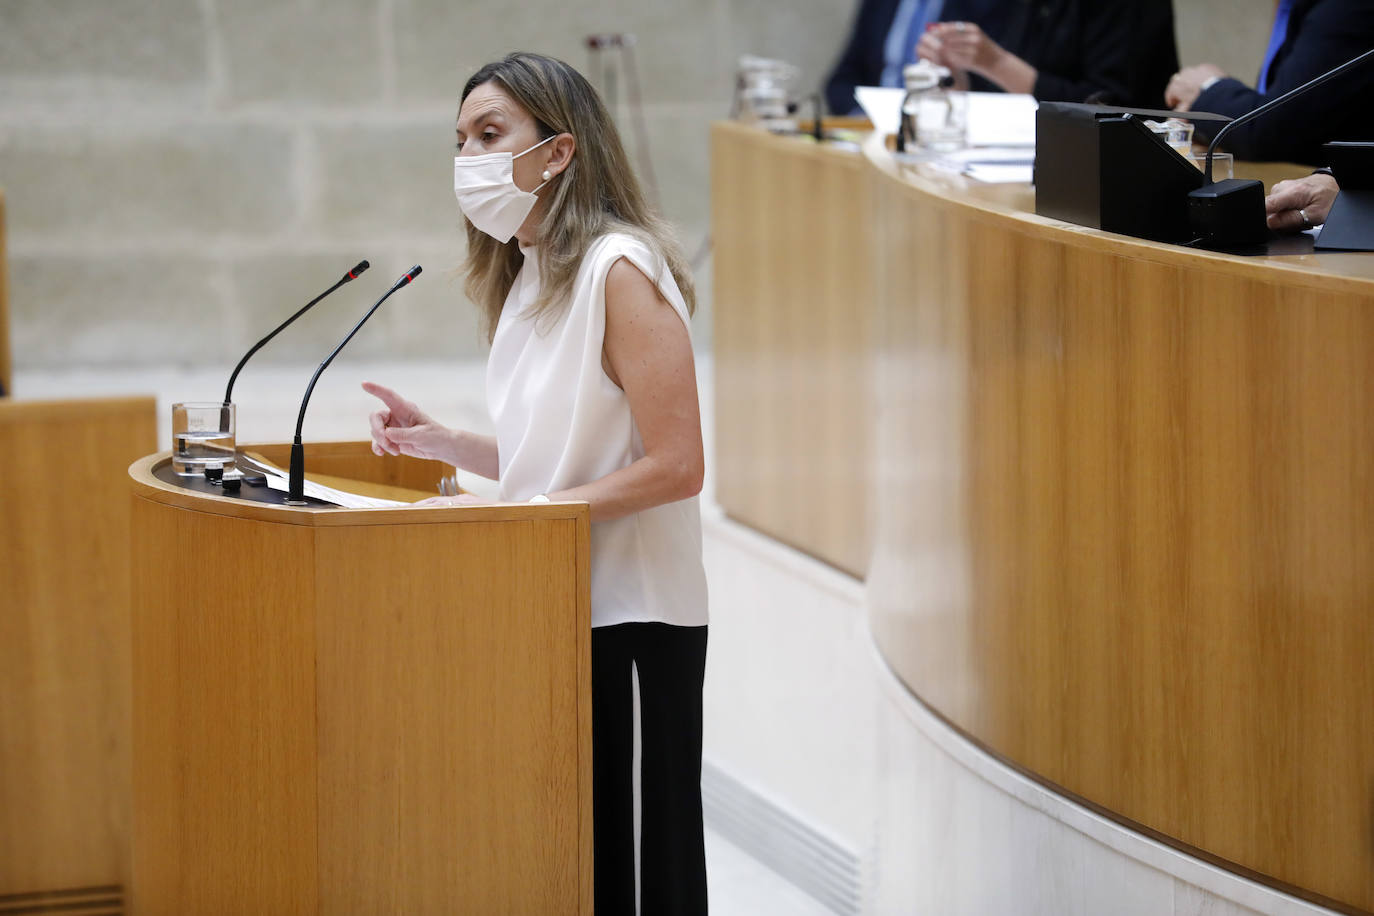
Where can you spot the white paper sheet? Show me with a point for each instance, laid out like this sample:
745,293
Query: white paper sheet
1000,119
994,118
280,480
883,105
1000,173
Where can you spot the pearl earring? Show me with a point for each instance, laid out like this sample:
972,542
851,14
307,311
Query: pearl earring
547,174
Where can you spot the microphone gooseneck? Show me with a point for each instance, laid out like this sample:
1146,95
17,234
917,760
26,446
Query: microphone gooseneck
351,275
296,491
1288,96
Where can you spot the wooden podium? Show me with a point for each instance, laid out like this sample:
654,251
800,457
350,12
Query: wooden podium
358,711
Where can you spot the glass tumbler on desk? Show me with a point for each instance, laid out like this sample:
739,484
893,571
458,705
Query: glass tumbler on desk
1175,132
1223,164
933,117
202,437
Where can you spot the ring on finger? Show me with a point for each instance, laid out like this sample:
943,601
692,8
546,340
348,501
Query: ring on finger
1306,222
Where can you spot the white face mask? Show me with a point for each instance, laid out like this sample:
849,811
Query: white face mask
487,193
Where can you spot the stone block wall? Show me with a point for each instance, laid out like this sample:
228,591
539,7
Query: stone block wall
183,173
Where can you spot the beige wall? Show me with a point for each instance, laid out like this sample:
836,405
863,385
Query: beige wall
182,173
1229,33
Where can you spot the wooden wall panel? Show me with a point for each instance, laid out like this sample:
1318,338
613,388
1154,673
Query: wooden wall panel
791,347
64,640
6,364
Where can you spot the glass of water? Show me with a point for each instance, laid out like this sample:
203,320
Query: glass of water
942,120
202,436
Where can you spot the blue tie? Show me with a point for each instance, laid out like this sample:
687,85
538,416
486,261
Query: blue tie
914,28
1275,41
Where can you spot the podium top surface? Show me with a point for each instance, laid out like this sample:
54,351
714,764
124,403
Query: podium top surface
147,483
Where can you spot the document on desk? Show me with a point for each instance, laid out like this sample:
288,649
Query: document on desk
994,118
1001,119
883,105
277,479
1000,173
991,164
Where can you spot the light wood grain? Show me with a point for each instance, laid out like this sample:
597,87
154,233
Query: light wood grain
1127,536
224,714
401,708
791,345
1116,491
6,366
64,640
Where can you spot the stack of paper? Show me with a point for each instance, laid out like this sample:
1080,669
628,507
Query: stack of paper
1001,132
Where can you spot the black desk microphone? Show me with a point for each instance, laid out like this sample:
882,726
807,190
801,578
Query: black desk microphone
1231,212
351,275
296,493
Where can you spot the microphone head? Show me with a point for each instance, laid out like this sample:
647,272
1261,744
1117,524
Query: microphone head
407,277
358,269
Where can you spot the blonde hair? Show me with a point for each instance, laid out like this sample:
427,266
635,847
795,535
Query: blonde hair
596,194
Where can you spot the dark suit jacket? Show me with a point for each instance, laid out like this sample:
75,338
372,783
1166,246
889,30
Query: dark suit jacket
861,64
1322,34
1120,52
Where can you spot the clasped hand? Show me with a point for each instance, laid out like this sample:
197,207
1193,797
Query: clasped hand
959,46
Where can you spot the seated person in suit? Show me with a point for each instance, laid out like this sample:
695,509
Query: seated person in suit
1308,38
1057,50
1293,206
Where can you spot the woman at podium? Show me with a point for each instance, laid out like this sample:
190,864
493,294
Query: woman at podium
592,387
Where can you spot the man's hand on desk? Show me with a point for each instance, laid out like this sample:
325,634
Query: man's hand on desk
1187,84
1293,206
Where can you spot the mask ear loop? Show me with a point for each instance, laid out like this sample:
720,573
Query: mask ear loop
546,176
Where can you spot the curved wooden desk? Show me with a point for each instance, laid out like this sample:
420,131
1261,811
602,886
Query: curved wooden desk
339,711
1121,513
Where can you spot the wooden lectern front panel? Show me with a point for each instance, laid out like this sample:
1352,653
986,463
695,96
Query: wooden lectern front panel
448,719
376,711
224,715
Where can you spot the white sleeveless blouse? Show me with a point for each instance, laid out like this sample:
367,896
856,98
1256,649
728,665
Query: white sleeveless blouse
561,422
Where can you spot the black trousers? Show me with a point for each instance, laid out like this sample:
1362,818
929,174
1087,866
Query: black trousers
671,662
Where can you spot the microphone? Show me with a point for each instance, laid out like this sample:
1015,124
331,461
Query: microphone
296,491
1231,212
351,275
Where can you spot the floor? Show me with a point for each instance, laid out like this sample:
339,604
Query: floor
740,886
267,404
